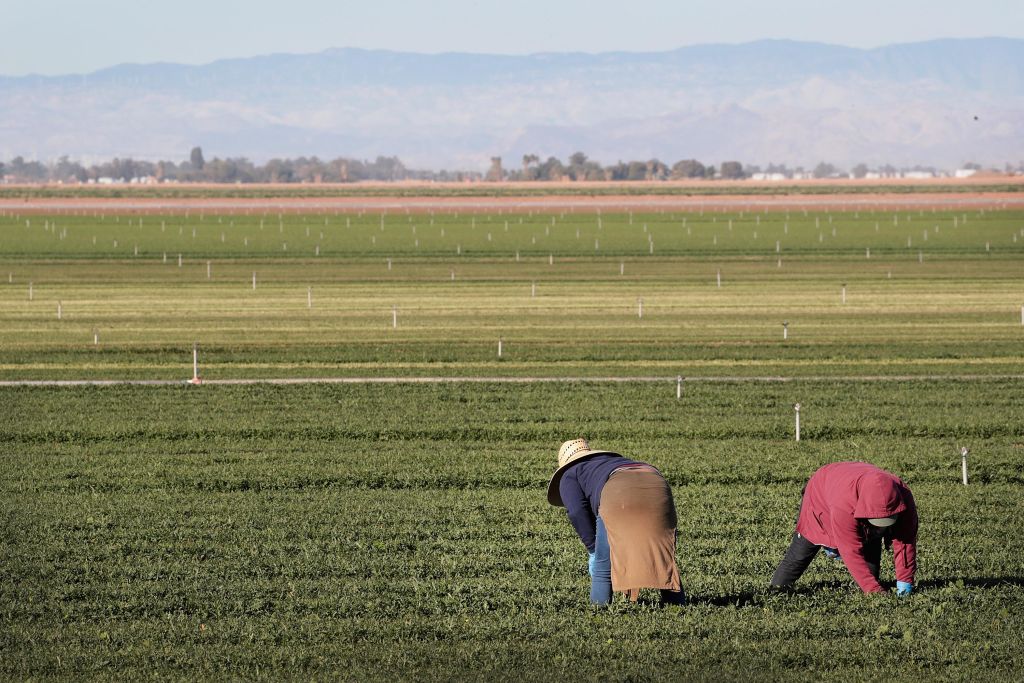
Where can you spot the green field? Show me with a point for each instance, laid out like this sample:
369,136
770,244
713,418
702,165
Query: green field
400,531
431,295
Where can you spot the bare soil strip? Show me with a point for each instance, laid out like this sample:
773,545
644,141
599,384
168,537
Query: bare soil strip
550,203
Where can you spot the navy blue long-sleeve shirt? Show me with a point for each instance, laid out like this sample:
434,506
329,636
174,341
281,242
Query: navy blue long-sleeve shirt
581,488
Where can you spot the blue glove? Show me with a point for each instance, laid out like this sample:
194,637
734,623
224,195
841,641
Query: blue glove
831,553
903,588
591,561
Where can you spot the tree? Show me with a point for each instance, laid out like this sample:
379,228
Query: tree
528,172
495,173
637,171
577,166
68,170
688,168
196,158
656,170
824,170
731,170
860,170
552,169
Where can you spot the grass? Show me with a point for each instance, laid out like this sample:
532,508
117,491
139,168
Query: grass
400,531
389,296
371,532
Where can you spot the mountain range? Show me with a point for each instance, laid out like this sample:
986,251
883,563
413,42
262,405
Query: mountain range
938,103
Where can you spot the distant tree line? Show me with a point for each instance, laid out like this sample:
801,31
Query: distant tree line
577,167
230,170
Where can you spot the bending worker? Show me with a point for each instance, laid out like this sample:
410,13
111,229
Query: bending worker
849,509
624,514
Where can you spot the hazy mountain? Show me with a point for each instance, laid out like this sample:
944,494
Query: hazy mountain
767,101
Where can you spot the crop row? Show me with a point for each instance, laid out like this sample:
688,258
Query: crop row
375,532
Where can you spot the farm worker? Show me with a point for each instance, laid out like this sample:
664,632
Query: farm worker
849,509
623,512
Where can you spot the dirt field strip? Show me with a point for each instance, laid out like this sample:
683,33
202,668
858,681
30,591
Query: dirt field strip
497,380
548,203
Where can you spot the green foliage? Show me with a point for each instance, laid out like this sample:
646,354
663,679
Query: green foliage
372,532
568,305
400,530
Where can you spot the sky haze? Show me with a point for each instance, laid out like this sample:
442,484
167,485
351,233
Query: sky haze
70,36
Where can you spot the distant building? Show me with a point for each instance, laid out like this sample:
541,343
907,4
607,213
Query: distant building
964,172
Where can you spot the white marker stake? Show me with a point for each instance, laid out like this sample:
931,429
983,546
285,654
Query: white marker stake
551,259
719,276
622,268
499,347
679,387
844,293
394,317
179,260
309,297
1022,315
95,338
453,276
533,289
195,365
640,308
254,280
207,270
796,407
30,291
59,310
867,252
963,462
785,331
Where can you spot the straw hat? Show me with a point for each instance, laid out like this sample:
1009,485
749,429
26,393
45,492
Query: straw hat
570,453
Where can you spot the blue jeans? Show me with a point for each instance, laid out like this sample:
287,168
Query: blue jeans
601,581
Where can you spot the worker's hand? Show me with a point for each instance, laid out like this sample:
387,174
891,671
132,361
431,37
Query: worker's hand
904,588
591,561
831,553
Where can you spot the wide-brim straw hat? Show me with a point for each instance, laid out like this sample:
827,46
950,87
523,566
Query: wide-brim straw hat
570,453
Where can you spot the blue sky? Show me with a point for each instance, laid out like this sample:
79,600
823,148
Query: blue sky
75,36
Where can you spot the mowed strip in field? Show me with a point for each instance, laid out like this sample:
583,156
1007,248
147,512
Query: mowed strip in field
567,294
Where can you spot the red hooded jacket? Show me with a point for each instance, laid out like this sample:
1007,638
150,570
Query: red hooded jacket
838,501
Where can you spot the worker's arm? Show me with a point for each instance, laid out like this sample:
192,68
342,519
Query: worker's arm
580,514
904,542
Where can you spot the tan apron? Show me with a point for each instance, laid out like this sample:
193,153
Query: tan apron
640,518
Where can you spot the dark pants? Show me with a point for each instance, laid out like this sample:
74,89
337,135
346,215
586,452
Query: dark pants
801,551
